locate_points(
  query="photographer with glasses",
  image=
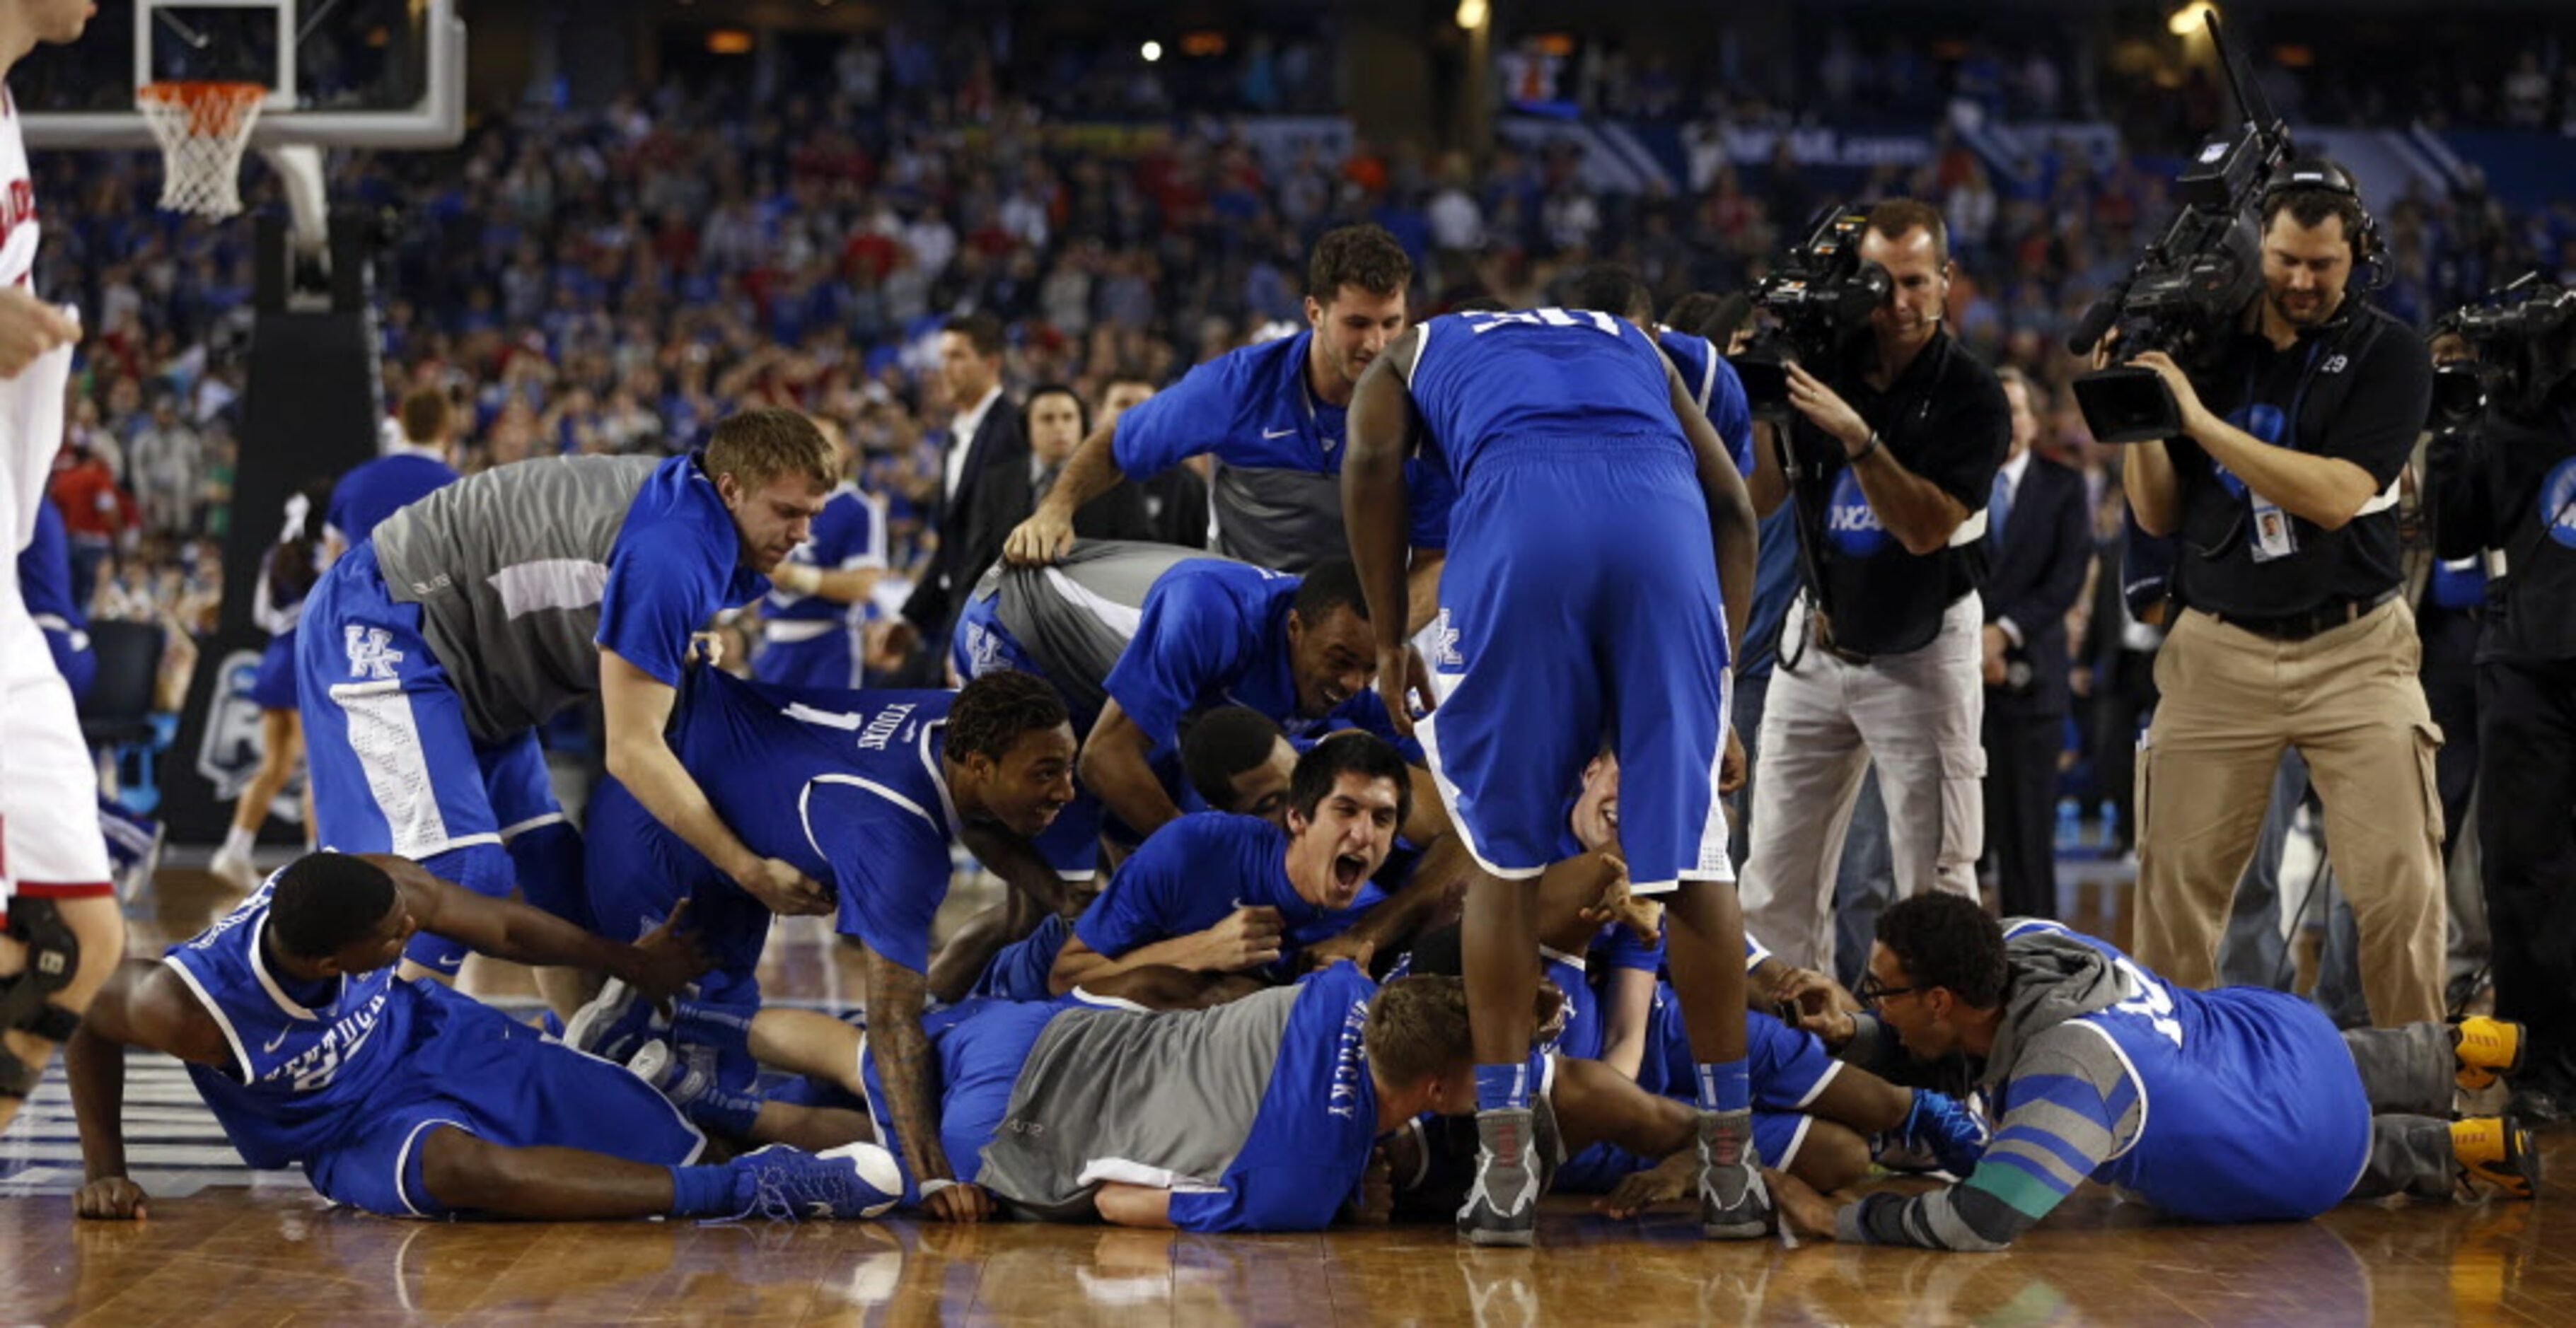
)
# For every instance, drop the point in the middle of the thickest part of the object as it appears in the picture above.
(2282, 488)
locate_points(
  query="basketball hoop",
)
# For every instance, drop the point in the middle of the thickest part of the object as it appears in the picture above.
(202, 128)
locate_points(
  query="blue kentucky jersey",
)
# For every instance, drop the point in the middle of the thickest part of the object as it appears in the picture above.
(374, 490)
(300, 1072)
(1214, 632)
(846, 785)
(1253, 408)
(850, 534)
(1192, 873)
(45, 584)
(1538, 373)
(2239, 1104)
(1712, 386)
(1579, 1033)
(1310, 1141)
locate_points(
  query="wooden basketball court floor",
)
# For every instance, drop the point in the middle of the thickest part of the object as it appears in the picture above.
(226, 1246)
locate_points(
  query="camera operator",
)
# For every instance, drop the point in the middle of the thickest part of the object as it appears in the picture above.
(1895, 449)
(2509, 486)
(2282, 488)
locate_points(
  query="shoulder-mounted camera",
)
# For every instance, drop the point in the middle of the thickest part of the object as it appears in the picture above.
(1819, 299)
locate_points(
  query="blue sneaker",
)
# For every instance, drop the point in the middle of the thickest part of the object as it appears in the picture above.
(1947, 1128)
(787, 1184)
(615, 1023)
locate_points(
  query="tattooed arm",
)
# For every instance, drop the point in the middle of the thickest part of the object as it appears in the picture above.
(895, 997)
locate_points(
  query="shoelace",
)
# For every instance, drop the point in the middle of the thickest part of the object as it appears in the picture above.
(786, 1194)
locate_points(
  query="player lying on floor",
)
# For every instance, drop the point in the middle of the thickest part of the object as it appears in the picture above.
(409, 1099)
(1215, 906)
(1263, 1114)
(866, 791)
(2236, 1105)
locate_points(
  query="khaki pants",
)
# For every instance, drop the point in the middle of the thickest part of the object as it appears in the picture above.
(1919, 717)
(2349, 700)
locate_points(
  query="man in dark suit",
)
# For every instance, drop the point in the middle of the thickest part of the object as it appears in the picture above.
(984, 433)
(1054, 421)
(2039, 543)
(1176, 499)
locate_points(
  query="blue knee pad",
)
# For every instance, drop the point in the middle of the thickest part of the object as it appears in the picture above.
(547, 861)
(484, 869)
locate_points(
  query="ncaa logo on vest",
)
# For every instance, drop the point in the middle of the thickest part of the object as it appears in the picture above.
(1851, 524)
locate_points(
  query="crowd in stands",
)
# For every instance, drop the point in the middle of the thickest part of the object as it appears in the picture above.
(615, 280)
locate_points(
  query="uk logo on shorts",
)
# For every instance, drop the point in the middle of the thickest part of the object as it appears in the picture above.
(1444, 644)
(371, 653)
(1851, 523)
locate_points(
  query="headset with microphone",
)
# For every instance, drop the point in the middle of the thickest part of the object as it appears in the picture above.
(2319, 175)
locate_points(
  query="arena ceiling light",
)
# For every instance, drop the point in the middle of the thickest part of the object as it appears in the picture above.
(1473, 14)
(2191, 19)
(1152, 51)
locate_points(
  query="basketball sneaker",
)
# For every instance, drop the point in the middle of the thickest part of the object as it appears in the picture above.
(1502, 1207)
(787, 1184)
(1948, 1129)
(681, 1075)
(2486, 1047)
(2496, 1152)
(615, 1023)
(1734, 1202)
(235, 870)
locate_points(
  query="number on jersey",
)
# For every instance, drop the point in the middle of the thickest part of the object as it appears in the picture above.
(1486, 321)
(2148, 999)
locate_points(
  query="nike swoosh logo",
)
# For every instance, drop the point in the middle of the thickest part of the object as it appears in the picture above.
(1268, 434)
(276, 1042)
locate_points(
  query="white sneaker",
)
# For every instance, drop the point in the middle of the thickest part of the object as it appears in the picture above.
(235, 870)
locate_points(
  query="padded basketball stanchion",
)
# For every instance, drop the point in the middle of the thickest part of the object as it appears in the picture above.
(299, 173)
(202, 128)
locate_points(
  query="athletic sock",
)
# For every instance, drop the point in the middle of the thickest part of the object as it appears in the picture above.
(724, 1027)
(702, 1191)
(731, 1114)
(1725, 1086)
(1502, 1087)
(238, 842)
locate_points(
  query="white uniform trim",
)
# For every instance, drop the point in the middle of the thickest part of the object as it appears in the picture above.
(402, 1160)
(1121, 1171)
(552, 583)
(384, 735)
(805, 801)
(510, 832)
(268, 983)
(1426, 731)
(1833, 1069)
(241, 1054)
(1118, 617)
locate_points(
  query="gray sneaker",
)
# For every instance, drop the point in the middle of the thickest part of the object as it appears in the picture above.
(1734, 1203)
(1502, 1208)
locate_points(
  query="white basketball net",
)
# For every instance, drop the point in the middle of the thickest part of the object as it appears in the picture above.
(202, 129)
